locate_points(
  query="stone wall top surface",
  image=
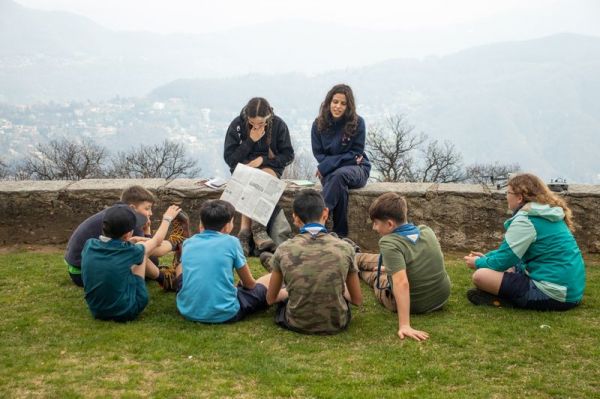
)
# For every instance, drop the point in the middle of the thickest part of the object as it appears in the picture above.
(115, 184)
(584, 189)
(196, 185)
(33, 185)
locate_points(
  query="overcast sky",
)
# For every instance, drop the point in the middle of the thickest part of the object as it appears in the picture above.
(200, 16)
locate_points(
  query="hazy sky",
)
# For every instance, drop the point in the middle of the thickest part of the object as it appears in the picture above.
(205, 16)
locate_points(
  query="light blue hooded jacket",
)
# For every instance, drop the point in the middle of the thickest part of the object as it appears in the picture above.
(538, 240)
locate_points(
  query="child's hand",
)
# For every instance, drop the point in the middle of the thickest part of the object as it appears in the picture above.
(147, 228)
(256, 162)
(473, 253)
(408, 331)
(172, 212)
(257, 133)
(470, 261)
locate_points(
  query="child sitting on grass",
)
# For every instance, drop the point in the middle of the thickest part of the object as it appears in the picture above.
(413, 279)
(141, 201)
(113, 268)
(538, 264)
(207, 292)
(316, 268)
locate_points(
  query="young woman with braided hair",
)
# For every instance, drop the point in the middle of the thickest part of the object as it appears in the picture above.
(538, 265)
(260, 139)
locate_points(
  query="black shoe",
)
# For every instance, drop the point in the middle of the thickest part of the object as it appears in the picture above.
(265, 260)
(479, 297)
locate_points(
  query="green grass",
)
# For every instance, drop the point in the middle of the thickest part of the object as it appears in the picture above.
(51, 347)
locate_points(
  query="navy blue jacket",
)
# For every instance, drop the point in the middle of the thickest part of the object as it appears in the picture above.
(333, 149)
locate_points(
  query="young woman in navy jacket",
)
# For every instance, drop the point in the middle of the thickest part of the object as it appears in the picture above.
(338, 143)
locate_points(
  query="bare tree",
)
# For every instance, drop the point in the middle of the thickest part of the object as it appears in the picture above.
(166, 160)
(64, 159)
(489, 172)
(442, 163)
(303, 167)
(390, 150)
(4, 170)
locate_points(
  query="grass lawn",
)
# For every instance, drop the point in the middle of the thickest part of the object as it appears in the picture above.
(51, 347)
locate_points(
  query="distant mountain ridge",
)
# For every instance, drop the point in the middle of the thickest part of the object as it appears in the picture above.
(59, 56)
(536, 102)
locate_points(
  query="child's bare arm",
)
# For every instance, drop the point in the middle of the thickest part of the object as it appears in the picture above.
(353, 285)
(274, 287)
(401, 290)
(246, 277)
(155, 241)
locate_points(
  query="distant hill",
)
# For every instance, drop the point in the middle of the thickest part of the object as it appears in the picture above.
(535, 102)
(58, 56)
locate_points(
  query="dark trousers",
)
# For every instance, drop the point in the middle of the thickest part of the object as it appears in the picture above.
(335, 193)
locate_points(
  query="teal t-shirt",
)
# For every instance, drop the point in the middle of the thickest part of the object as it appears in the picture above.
(112, 291)
(424, 263)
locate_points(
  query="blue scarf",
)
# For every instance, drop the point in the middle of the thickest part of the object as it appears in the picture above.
(408, 231)
(313, 228)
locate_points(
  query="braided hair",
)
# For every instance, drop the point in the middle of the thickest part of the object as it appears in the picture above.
(260, 107)
(325, 119)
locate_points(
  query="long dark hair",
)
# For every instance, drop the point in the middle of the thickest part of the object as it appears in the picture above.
(260, 107)
(325, 119)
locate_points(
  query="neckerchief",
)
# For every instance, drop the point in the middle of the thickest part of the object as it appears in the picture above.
(408, 231)
(313, 229)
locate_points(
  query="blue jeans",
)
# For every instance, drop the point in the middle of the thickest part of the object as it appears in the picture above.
(335, 193)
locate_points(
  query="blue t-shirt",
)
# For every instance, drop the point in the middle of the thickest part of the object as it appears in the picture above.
(208, 293)
(112, 291)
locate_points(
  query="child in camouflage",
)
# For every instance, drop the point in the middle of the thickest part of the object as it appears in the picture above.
(316, 268)
(413, 279)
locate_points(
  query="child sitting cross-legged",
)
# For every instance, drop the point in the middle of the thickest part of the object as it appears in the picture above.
(316, 268)
(141, 201)
(207, 292)
(409, 275)
(113, 268)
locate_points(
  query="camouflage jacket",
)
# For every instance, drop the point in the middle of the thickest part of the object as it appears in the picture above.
(314, 270)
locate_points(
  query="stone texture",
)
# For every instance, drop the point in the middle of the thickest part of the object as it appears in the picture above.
(28, 187)
(465, 217)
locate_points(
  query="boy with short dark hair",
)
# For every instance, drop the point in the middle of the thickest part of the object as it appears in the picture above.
(141, 201)
(205, 277)
(316, 268)
(113, 268)
(409, 275)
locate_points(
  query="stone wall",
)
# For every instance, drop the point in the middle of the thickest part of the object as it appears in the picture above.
(463, 216)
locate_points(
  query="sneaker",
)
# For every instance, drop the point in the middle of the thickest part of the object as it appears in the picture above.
(169, 278)
(265, 260)
(244, 236)
(478, 297)
(261, 238)
(180, 230)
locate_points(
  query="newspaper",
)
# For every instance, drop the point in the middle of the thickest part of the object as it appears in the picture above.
(253, 192)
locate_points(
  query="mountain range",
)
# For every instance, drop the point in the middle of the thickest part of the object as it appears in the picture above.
(535, 102)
